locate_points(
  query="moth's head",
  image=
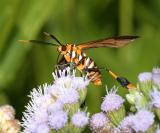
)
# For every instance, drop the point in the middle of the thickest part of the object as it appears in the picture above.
(62, 49)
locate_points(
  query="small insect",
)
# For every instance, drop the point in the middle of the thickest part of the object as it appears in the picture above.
(75, 54)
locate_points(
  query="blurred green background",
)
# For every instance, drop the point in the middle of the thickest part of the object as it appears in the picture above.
(23, 67)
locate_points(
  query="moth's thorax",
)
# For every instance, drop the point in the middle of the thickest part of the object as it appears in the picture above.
(65, 48)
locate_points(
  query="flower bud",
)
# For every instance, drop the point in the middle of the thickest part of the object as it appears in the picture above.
(145, 83)
(136, 98)
(143, 121)
(78, 122)
(156, 76)
(8, 123)
(114, 108)
(11, 126)
(80, 119)
(99, 123)
(7, 112)
(155, 99)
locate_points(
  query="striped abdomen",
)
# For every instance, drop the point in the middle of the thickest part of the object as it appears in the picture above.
(83, 63)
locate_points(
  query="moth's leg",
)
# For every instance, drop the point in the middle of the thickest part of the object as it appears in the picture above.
(65, 65)
(72, 66)
(83, 74)
(124, 82)
(84, 71)
(62, 66)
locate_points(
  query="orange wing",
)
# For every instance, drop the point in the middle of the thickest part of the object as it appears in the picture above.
(115, 42)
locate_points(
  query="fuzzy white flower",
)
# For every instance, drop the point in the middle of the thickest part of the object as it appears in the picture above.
(142, 120)
(66, 86)
(68, 96)
(145, 76)
(56, 106)
(57, 120)
(40, 98)
(42, 128)
(32, 121)
(80, 119)
(126, 124)
(112, 101)
(98, 121)
(65, 79)
(36, 110)
(155, 98)
(80, 82)
(156, 75)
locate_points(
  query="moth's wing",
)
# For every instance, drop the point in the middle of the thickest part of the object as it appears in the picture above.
(114, 42)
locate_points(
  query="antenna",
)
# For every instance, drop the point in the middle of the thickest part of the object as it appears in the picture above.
(38, 42)
(53, 37)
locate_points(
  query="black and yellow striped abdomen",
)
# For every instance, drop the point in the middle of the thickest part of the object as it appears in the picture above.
(83, 63)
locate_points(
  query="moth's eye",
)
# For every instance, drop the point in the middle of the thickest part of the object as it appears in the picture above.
(63, 48)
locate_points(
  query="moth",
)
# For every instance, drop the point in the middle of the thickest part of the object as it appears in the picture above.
(72, 53)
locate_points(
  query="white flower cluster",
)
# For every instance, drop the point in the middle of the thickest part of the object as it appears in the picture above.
(114, 120)
(53, 106)
(140, 122)
(56, 107)
(145, 107)
(112, 114)
(149, 87)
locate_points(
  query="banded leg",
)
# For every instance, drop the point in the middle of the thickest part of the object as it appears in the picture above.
(122, 80)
